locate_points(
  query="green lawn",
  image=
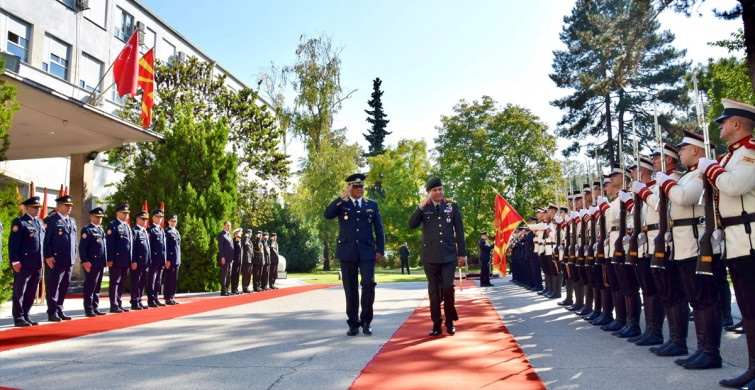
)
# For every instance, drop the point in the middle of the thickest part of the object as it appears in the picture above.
(381, 276)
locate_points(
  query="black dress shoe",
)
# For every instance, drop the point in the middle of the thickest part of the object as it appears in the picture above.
(353, 331)
(650, 339)
(436, 331)
(99, 313)
(367, 329)
(246, 291)
(152, 304)
(681, 362)
(124, 309)
(739, 381)
(733, 328)
(704, 362)
(603, 321)
(450, 328)
(169, 302)
(90, 314)
(224, 294)
(565, 303)
(63, 316)
(660, 347)
(592, 316)
(257, 290)
(174, 302)
(53, 318)
(34, 323)
(672, 350)
(116, 310)
(21, 324)
(158, 303)
(583, 311)
(613, 326)
(136, 307)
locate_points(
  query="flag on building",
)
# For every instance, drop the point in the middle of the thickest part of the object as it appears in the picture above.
(147, 82)
(506, 221)
(125, 67)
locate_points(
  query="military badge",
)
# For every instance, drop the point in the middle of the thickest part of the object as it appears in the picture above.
(109, 232)
(83, 236)
(346, 217)
(60, 232)
(449, 209)
(14, 228)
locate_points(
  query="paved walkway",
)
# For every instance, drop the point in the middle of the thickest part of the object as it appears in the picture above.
(299, 342)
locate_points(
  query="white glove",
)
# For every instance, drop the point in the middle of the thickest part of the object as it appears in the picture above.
(567, 217)
(582, 213)
(625, 243)
(642, 238)
(561, 248)
(669, 237)
(558, 219)
(593, 209)
(624, 196)
(602, 199)
(661, 178)
(717, 237)
(595, 246)
(607, 242)
(637, 186)
(704, 163)
(574, 215)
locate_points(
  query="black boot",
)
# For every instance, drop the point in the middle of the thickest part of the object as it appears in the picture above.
(568, 301)
(671, 331)
(749, 375)
(633, 317)
(556, 286)
(700, 335)
(711, 355)
(606, 316)
(653, 309)
(579, 297)
(679, 316)
(648, 317)
(588, 301)
(621, 313)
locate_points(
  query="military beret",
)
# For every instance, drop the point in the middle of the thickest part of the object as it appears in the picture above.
(432, 183)
(32, 202)
(173, 217)
(65, 199)
(158, 212)
(97, 212)
(141, 214)
(122, 208)
(735, 108)
(356, 179)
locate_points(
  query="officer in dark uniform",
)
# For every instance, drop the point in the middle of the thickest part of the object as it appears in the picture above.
(60, 253)
(25, 255)
(485, 248)
(93, 254)
(237, 257)
(442, 247)
(258, 260)
(141, 259)
(264, 278)
(358, 249)
(273, 261)
(119, 240)
(172, 260)
(157, 254)
(225, 257)
(403, 254)
(247, 253)
(530, 259)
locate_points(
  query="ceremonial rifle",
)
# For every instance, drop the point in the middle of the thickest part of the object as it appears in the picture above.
(573, 246)
(581, 248)
(705, 259)
(661, 252)
(618, 246)
(557, 251)
(590, 246)
(634, 246)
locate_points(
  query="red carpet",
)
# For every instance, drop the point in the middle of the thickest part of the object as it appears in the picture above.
(33, 335)
(482, 354)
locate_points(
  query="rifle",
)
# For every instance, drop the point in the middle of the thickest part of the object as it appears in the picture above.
(661, 252)
(618, 255)
(573, 246)
(634, 246)
(557, 251)
(705, 259)
(590, 250)
(580, 251)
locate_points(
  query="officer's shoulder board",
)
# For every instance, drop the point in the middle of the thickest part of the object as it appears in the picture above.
(450, 201)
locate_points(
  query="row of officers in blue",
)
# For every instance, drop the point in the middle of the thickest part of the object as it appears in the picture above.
(147, 251)
(687, 229)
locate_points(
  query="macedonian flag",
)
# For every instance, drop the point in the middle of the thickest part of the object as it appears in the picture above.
(147, 82)
(506, 221)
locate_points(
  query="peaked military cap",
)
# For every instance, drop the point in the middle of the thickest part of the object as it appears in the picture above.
(122, 208)
(97, 212)
(646, 163)
(173, 217)
(259, 232)
(616, 170)
(65, 199)
(552, 206)
(735, 108)
(158, 212)
(356, 179)
(694, 138)
(667, 150)
(533, 219)
(265, 234)
(273, 235)
(432, 183)
(248, 231)
(32, 202)
(483, 232)
(563, 209)
(141, 214)
(586, 188)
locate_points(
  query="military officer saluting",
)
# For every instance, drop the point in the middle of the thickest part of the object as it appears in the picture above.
(25, 255)
(157, 253)
(93, 256)
(443, 246)
(733, 176)
(60, 254)
(172, 260)
(361, 243)
(119, 239)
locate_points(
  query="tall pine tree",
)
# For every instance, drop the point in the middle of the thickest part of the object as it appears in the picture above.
(376, 134)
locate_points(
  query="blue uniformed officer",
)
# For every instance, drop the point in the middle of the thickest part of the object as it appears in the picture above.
(157, 254)
(361, 243)
(258, 260)
(59, 249)
(119, 239)
(141, 258)
(25, 255)
(93, 254)
(443, 245)
(485, 249)
(172, 260)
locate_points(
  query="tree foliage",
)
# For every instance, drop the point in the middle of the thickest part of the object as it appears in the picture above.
(201, 189)
(8, 211)
(483, 148)
(376, 134)
(403, 172)
(297, 241)
(8, 106)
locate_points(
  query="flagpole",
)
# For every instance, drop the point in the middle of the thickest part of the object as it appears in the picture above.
(92, 98)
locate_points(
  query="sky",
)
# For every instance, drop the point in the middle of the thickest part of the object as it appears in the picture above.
(429, 54)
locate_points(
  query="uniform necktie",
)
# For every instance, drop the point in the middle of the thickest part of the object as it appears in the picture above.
(437, 208)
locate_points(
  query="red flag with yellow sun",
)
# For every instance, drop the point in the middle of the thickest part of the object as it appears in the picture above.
(506, 221)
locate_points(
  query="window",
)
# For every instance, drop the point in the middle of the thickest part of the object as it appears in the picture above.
(126, 28)
(18, 38)
(166, 52)
(58, 54)
(68, 3)
(90, 73)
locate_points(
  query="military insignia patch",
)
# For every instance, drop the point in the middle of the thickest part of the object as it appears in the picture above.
(83, 235)
(109, 232)
(748, 159)
(60, 232)
(15, 228)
